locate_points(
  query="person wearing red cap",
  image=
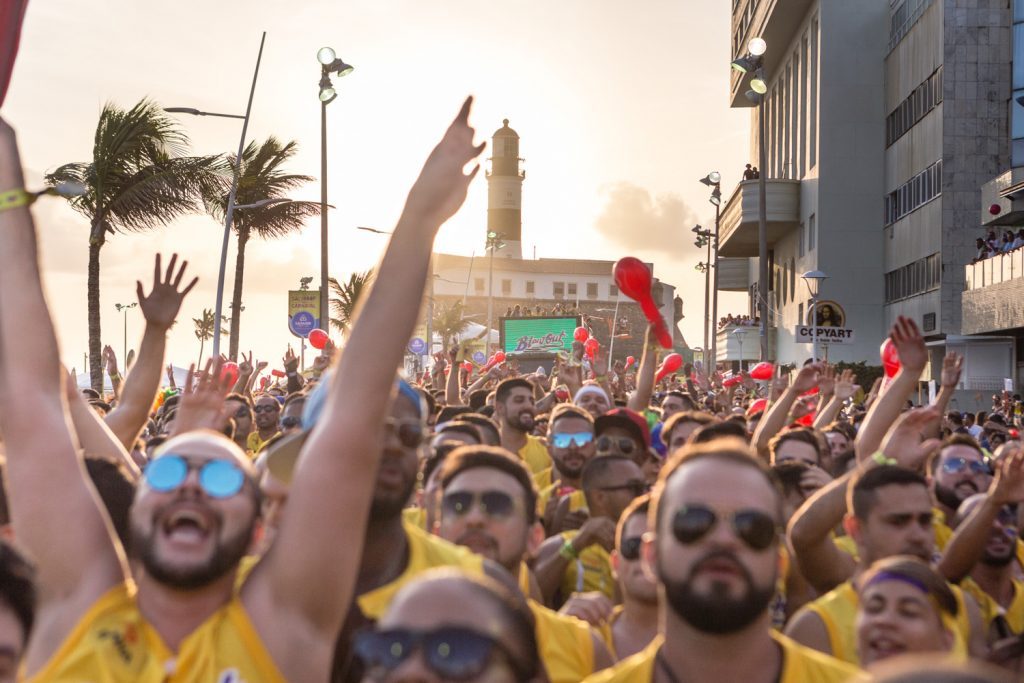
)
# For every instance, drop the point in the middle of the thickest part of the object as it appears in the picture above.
(623, 432)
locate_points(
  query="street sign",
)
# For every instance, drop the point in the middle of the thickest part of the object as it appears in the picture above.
(303, 311)
(417, 346)
(826, 335)
(479, 358)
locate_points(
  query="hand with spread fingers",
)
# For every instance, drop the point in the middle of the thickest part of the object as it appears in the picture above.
(161, 306)
(201, 405)
(903, 441)
(1008, 484)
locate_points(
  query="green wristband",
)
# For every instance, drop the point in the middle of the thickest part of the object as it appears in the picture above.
(568, 551)
(882, 459)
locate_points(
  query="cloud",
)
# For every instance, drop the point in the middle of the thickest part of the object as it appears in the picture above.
(634, 219)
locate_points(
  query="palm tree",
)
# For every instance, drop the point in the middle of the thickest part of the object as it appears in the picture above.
(260, 178)
(343, 308)
(204, 330)
(138, 179)
(449, 321)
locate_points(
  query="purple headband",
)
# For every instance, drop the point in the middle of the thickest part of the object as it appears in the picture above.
(878, 577)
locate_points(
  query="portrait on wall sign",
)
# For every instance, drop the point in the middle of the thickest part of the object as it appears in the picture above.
(827, 314)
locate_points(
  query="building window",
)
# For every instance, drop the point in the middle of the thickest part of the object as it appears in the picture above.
(812, 232)
(478, 284)
(913, 194)
(792, 280)
(506, 287)
(529, 287)
(914, 278)
(813, 135)
(572, 289)
(800, 238)
(559, 290)
(613, 291)
(922, 100)
(591, 290)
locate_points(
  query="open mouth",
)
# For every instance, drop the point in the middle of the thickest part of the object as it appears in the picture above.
(187, 526)
(884, 647)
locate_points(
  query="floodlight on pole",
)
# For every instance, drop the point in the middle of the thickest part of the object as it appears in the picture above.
(758, 83)
(814, 278)
(757, 46)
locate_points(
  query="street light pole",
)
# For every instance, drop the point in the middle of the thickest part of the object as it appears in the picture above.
(714, 304)
(814, 278)
(762, 231)
(123, 308)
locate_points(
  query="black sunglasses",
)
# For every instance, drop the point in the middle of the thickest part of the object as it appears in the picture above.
(290, 422)
(629, 548)
(453, 653)
(492, 503)
(409, 430)
(267, 408)
(626, 445)
(755, 528)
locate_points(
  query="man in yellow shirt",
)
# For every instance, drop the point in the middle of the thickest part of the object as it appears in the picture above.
(571, 444)
(488, 505)
(197, 505)
(717, 516)
(514, 411)
(266, 413)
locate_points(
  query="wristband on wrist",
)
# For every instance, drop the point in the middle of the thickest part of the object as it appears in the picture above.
(568, 551)
(882, 459)
(12, 199)
(115, 376)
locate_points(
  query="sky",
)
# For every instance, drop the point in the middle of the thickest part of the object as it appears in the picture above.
(621, 109)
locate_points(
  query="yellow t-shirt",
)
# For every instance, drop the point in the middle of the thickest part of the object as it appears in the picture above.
(113, 643)
(591, 571)
(565, 645)
(255, 443)
(799, 665)
(990, 609)
(838, 612)
(416, 517)
(425, 552)
(535, 455)
(577, 501)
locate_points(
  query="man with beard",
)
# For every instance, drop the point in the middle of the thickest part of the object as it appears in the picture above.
(957, 472)
(714, 548)
(593, 399)
(239, 407)
(267, 412)
(571, 444)
(514, 411)
(487, 505)
(197, 506)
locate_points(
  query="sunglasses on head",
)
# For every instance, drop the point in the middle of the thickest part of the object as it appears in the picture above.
(625, 444)
(629, 548)
(452, 653)
(958, 465)
(564, 440)
(491, 503)
(409, 430)
(218, 478)
(755, 528)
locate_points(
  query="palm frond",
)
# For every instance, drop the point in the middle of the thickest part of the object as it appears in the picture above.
(343, 307)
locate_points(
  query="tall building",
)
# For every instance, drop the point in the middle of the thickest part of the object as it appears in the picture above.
(883, 120)
(505, 193)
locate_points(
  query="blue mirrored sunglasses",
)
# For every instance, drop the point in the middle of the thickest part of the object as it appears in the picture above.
(564, 440)
(218, 478)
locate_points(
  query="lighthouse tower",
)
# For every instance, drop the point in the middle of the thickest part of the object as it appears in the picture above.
(505, 192)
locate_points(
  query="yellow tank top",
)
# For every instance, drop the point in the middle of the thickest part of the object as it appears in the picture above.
(425, 552)
(799, 665)
(535, 455)
(838, 611)
(605, 631)
(577, 500)
(565, 645)
(591, 571)
(114, 644)
(942, 535)
(416, 517)
(990, 609)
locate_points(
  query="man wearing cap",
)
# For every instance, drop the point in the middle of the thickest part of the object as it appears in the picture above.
(593, 399)
(623, 432)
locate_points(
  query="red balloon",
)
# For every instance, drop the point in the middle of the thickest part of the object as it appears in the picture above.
(762, 371)
(264, 381)
(318, 338)
(581, 335)
(630, 360)
(670, 364)
(467, 366)
(229, 372)
(634, 280)
(810, 392)
(807, 420)
(732, 381)
(757, 406)
(890, 358)
(499, 357)
(591, 346)
(278, 373)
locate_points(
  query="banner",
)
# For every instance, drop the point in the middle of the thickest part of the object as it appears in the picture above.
(826, 335)
(303, 311)
(538, 335)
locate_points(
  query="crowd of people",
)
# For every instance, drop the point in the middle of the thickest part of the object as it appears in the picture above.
(563, 525)
(731, 320)
(991, 245)
(538, 311)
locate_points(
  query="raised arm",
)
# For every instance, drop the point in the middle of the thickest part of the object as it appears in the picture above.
(160, 308)
(640, 399)
(93, 434)
(308, 576)
(883, 413)
(57, 516)
(952, 365)
(844, 389)
(778, 412)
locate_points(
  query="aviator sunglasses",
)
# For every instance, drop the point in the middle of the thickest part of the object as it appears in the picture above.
(755, 528)
(218, 478)
(566, 439)
(492, 503)
(452, 653)
(958, 465)
(626, 445)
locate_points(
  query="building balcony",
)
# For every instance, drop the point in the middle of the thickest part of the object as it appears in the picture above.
(992, 294)
(733, 274)
(739, 220)
(742, 343)
(777, 23)
(1002, 199)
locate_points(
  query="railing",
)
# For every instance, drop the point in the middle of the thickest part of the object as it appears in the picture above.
(993, 270)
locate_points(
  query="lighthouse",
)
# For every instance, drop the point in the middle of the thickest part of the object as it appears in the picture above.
(505, 193)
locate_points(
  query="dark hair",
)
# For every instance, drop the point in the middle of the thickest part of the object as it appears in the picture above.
(919, 574)
(863, 493)
(17, 585)
(171, 403)
(801, 434)
(567, 410)
(496, 458)
(955, 417)
(478, 399)
(730, 451)
(95, 403)
(247, 400)
(295, 397)
(501, 394)
(640, 506)
(844, 428)
(436, 458)
(720, 430)
(449, 413)
(461, 427)
(697, 416)
(683, 396)
(117, 491)
(486, 411)
(953, 440)
(91, 394)
(488, 428)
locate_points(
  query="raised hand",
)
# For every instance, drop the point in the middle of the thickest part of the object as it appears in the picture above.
(290, 360)
(846, 385)
(1008, 484)
(910, 346)
(161, 307)
(110, 360)
(201, 405)
(903, 441)
(952, 365)
(442, 184)
(807, 378)
(827, 380)
(778, 387)
(321, 363)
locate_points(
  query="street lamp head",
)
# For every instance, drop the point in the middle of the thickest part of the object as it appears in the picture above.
(814, 278)
(325, 55)
(758, 83)
(712, 179)
(341, 68)
(183, 110)
(754, 97)
(757, 46)
(696, 229)
(743, 64)
(716, 197)
(327, 95)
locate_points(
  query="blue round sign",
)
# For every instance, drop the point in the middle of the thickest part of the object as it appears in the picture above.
(302, 323)
(417, 346)
(479, 357)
